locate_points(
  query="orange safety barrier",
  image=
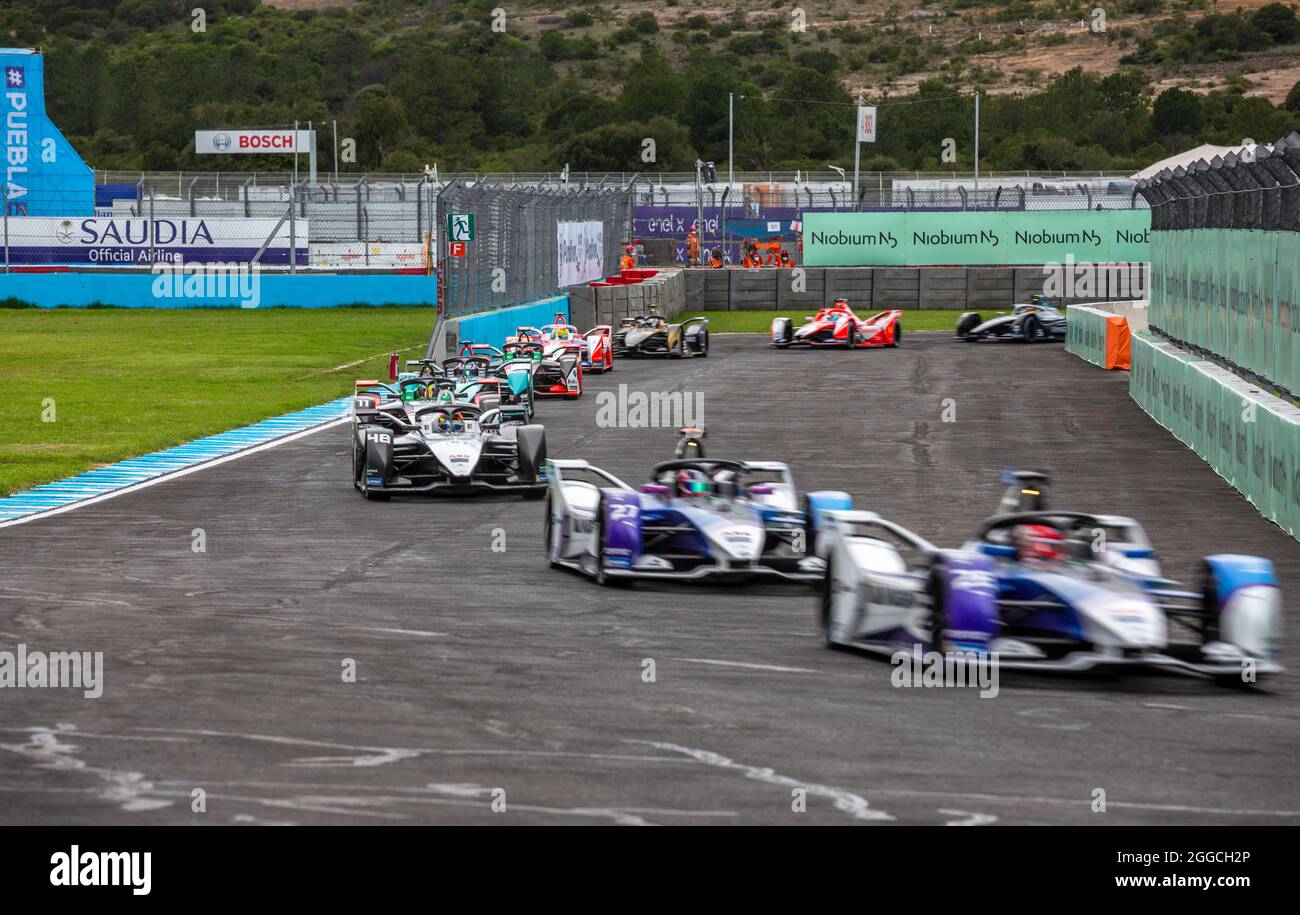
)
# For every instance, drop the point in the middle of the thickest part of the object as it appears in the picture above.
(1118, 341)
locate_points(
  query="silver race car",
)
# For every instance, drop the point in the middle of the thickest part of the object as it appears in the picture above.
(697, 518)
(1032, 322)
(1046, 589)
(445, 448)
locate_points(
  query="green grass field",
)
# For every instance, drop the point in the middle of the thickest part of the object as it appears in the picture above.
(760, 322)
(125, 382)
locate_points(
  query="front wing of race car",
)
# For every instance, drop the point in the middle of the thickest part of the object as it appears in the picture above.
(559, 377)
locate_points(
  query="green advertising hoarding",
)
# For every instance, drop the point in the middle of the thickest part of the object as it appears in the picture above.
(970, 238)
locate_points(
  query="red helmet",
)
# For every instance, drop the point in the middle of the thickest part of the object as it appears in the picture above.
(1038, 541)
(630, 249)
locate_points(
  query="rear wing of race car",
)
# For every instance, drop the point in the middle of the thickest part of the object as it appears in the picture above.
(1026, 492)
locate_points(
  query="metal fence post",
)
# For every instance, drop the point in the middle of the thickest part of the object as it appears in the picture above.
(293, 227)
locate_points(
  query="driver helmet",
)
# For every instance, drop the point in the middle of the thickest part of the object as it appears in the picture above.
(630, 249)
(1038, 541)
(692, 483)
(841, 303)
(458, 423)
(561, 333)
(442, 423)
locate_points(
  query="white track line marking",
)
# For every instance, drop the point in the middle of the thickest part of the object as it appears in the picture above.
(845, 801)
(966, 818)
(348, 365)
(154, 481)
(747, 666)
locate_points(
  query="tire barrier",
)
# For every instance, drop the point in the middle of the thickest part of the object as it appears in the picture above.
(1097, 336)
(1225, 250)
(1249, 437)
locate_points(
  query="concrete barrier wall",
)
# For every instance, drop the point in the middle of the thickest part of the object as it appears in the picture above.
(493, 327)
(1135, 311)
(877, 288)
(261, 290)
(1249, 437)
(592, 305)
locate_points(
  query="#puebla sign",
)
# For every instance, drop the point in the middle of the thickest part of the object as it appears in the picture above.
(127, 242)
(43, 175)
(976, 237)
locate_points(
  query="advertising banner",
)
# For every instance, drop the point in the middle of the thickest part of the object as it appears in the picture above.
(252, 142)
(360, 254)
(132, 241)
(43, 175)
(976, 238)
(581, 251)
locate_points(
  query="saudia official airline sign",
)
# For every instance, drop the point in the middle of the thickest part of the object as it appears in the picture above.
(43, 174)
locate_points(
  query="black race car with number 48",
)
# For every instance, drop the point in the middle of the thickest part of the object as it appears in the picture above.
(445, 448)
(1032, 322)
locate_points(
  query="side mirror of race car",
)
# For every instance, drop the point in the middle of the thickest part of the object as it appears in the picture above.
(654, 489)
(760, 489)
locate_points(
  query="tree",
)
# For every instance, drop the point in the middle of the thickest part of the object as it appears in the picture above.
(1278, 21)
(380, 127)
(1177, 111)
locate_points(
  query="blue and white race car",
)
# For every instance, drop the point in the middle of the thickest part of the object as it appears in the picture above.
(697, 518)
(1042, 588)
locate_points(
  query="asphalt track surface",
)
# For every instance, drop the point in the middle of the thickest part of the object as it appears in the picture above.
(481, 670)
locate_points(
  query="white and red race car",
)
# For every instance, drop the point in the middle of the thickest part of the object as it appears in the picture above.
(839, 326)
(594, 348)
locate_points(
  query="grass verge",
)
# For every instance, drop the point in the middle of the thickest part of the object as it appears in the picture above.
(118, 383)
(760, 322)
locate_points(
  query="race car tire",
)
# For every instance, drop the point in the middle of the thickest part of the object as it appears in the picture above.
(602, 579)
(824, 606)
(531, 444)
(549, 534)
(938, 616)
(1030, 329)
(1209, 605)
(704, 343)
(898, 334)
(781, 333)
(853, 335)
(377, 454)
(967, 323)
(682, 351)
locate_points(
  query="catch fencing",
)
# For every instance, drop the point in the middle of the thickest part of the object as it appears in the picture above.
(528, 242)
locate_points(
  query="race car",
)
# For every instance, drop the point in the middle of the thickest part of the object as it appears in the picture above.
(698, 518)
(1032, 322)
(559, 337)
(1045, 589)
(445, 448)
(839, 326)
(650, 334)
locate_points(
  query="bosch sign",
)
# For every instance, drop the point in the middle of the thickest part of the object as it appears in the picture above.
(237, 142)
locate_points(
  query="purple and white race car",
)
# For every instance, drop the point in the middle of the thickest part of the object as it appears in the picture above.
(1045, 589)
(697, 518)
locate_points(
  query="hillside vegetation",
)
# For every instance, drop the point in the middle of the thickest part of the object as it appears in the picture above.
(544, 83)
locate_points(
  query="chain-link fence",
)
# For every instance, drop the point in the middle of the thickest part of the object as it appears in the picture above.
(527, 242)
